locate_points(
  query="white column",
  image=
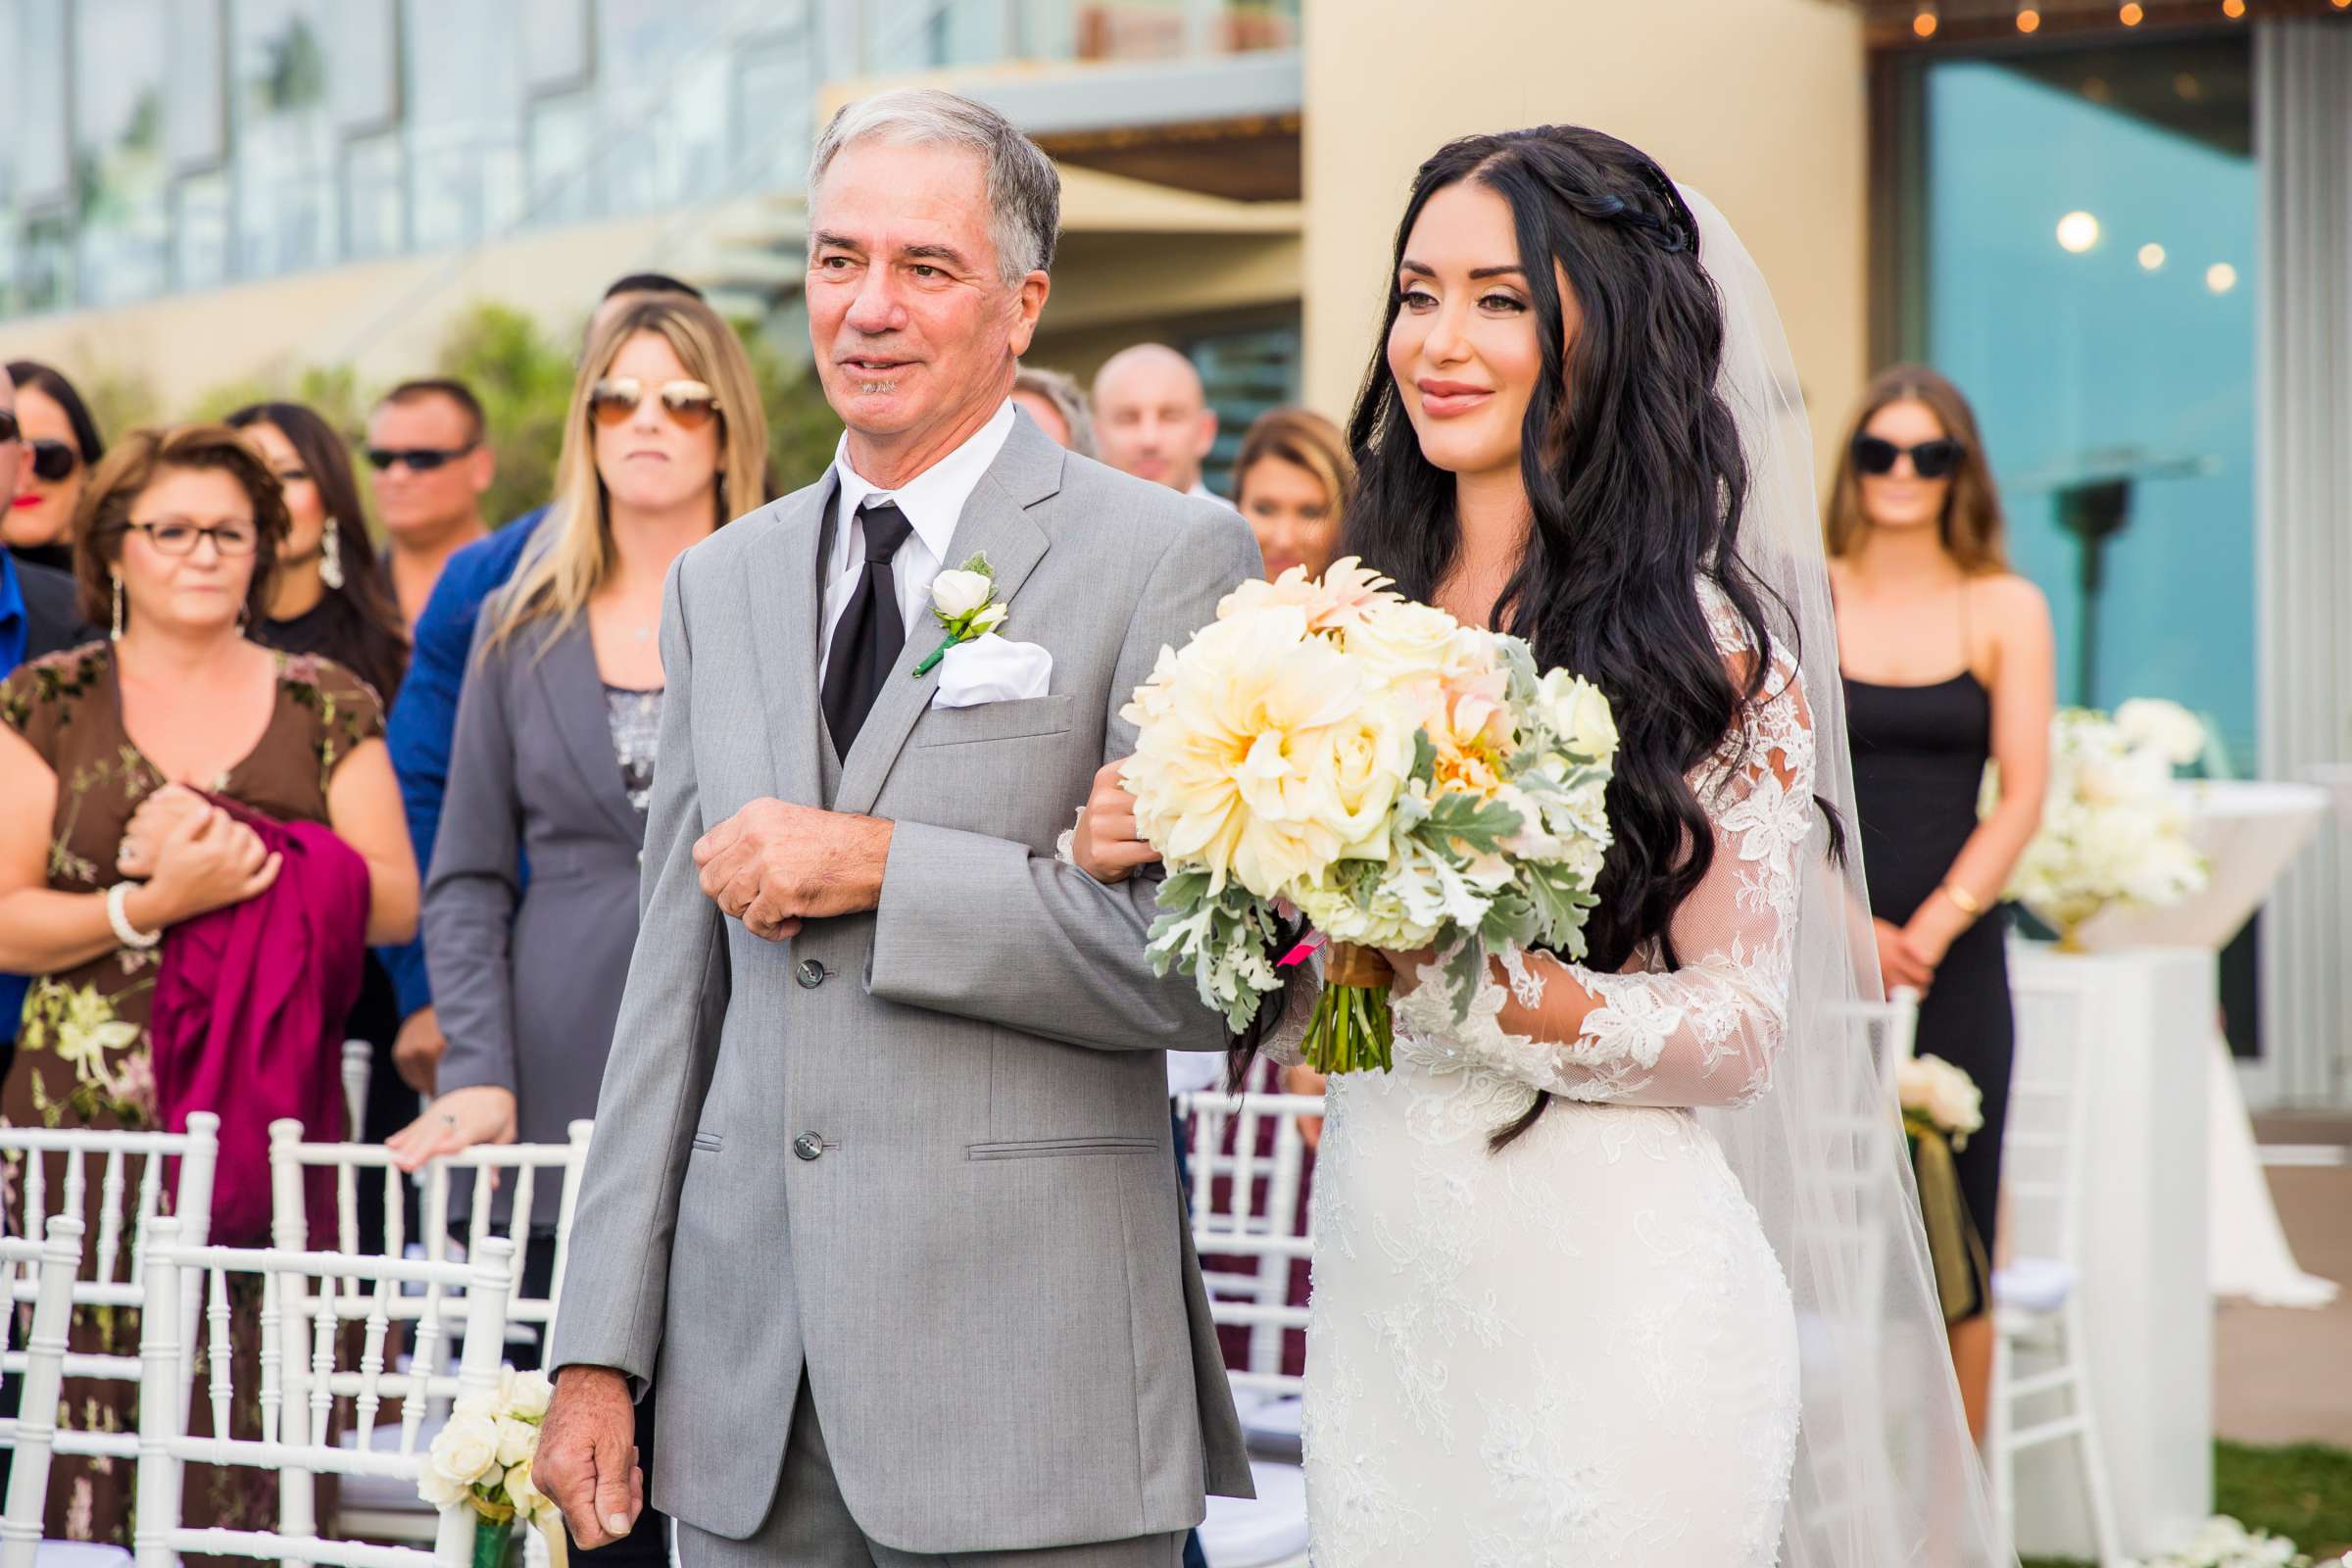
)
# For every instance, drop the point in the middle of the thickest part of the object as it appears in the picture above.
(2303, 488)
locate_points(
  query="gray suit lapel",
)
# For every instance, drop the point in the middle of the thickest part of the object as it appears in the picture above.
(564, 668)
(785, 616)
(1025, 472)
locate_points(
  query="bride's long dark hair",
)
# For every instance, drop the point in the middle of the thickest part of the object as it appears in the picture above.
(1637, 481)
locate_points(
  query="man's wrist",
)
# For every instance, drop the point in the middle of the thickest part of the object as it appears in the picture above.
(868, 862)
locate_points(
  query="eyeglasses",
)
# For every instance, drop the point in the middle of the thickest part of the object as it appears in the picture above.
(690, 404)
(53, 460)
(1930, 460)
(177, 536)
(420, 459)
(8, 427)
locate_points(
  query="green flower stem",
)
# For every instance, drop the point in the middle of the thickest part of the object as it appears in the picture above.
(1350, 1030)
(931, 661)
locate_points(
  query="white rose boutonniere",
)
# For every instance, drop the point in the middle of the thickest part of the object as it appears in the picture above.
(964, 601)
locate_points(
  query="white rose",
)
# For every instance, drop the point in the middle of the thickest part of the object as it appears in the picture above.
(1574, 710)
(439, 1491)
(517, 1440)
(527, 1394)
(990, 618)
(1402, 643)
(2156, 724)
(959, 592)
(467, 1448)
(528, 1501)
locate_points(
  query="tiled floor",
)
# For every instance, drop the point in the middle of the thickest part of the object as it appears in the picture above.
(2285, 1376)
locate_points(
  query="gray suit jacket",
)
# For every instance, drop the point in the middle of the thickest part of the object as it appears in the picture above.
(921, 1154)
(528, 981)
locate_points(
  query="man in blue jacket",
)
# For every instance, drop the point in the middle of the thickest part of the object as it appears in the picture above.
(425, 714)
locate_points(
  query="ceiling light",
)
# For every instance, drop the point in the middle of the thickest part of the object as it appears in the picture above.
(2131, 14)
(2151, 257)
(2028, 19)
(2221, 277)
(2077, 231)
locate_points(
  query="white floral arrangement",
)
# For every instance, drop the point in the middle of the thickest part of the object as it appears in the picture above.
(484, 1455)
(2223, 1543)
(1400, 779)
(1939, 1097)
(2114, 828)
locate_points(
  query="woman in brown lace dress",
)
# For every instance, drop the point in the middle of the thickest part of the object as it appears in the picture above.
(174, 544)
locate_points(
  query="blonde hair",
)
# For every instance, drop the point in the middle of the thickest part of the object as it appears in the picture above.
(1973, 530)
(558, 582)
(1303, 439)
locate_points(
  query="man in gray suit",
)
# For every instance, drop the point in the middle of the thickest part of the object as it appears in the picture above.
(881, 1202)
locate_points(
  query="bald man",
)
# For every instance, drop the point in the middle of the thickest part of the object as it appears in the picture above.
(1152, 418)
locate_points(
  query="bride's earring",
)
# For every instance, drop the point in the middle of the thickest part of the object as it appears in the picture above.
(117, 635)
(330, 557)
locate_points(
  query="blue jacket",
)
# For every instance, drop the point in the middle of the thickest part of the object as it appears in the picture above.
(425, 713)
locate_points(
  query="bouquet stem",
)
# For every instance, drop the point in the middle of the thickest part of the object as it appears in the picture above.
(1351, 1030)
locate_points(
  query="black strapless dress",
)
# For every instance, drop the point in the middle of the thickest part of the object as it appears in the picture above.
(1919, 763)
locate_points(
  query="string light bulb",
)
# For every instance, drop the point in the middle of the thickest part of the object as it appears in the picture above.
(2028, 19)
(2130, 15)
(2234, 9)
(1924, 23)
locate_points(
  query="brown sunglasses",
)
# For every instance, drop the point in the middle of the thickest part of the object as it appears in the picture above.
(690, 404)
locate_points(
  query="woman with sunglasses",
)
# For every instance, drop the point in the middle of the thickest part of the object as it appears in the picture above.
(1948, 664)
(554, 752)
(62, 445)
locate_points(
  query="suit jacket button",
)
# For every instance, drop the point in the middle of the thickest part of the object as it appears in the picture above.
(811, 975)
(807, 1145)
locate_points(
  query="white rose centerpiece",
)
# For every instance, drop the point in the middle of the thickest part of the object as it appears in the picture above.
(2114, 828)
(1400, 779)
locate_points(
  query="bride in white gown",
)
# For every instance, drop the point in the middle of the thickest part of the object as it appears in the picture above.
(1626, 1270)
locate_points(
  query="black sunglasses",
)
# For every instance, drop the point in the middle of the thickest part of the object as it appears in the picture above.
(421, 459)
(8, 427)
(1930, 460)
(53, 460)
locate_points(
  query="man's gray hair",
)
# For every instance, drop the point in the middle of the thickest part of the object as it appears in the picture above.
(1068, 398)
(1024, 190)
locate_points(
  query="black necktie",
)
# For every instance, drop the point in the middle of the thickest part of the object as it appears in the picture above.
(867, 642)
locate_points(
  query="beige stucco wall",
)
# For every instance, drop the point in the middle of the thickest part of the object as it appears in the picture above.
(1759, 103)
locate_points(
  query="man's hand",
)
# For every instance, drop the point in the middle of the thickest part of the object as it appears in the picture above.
(588, 1456)
(773, 866)
(416, 1049)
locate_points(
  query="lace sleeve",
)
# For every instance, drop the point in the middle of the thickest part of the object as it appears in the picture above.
(1706, 1033)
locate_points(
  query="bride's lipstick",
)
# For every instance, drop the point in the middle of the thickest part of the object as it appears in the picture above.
(1443, 400)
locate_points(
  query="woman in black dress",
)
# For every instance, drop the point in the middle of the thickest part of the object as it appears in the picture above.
(1948, 664)
(332, 598)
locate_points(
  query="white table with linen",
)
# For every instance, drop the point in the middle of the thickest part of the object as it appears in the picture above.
(2249, 833)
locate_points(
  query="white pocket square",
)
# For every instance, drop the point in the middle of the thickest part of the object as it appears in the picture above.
(991, 670)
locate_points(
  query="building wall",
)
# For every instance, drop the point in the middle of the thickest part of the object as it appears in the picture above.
(1759, 103)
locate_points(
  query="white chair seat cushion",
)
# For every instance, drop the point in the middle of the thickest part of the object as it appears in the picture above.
(80, 1554)
(1271, 1426)
(386, 1494)
(1271, 1528)
(2033, 1285)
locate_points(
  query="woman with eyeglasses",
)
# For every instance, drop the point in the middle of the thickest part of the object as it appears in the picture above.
(148, 776)
(62, 445)
(1948, 664)
(554, 752)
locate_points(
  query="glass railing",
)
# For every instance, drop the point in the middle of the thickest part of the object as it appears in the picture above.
(203, 144)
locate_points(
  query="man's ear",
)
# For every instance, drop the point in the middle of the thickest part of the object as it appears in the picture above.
(1208, 437)
(482, 467)
(1031, 303)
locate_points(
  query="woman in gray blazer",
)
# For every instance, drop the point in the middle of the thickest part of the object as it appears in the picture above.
(553, 751)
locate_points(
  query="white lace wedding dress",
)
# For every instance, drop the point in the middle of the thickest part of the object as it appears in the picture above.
(1581, 1350)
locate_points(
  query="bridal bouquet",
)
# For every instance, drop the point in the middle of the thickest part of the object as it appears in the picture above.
(483, 1457)
(1943, 1109)
(1940, 1098)
(1400, 779)
(2114, 830)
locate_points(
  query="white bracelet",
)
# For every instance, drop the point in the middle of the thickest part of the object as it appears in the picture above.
(118, 916)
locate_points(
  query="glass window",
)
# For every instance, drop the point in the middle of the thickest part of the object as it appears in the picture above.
(465, 121)
(122, 237)
(2091, 276)
(199, 233)
(375, 219)
(556, 48)
(1245, 374)
(40, 167)
(564, 171)
(195, 116)
(283, 61)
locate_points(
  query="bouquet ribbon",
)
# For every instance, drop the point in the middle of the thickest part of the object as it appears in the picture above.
(1954, 1248)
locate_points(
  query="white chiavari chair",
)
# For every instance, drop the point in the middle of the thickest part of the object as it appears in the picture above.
(2041, 1376)
(284, 1444)
(359, 1067)
(367, 1505)
(1247, 1158)
(47, 1268)
(56, 1164)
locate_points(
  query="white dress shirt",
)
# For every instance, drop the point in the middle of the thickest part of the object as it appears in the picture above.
(1200, 488)
(933, 502)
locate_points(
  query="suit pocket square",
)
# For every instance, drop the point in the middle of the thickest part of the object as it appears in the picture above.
(991, 670)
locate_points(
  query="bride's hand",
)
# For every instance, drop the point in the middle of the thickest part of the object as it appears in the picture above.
(455, 1123)
(1104, 843)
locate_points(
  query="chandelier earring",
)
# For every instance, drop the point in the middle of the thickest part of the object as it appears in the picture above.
(330, 557)
(116, 634)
